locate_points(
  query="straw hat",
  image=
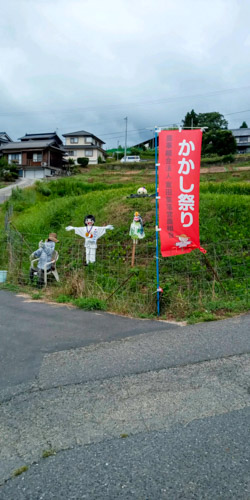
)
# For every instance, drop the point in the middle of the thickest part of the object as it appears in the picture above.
(53, 237)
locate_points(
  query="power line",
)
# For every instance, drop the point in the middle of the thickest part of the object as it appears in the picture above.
(122, 105)
(237, 112)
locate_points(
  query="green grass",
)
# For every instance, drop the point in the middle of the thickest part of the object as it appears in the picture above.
(87, 303)
(90, 304)
(190, 292)
(37, 296)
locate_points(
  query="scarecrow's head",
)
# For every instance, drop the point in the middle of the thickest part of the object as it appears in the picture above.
(137, 217)
(89, 220)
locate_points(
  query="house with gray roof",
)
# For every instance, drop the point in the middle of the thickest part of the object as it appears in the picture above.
(242, 137)
(4, 138)
(36, 155)
(49, 136)
(82, 144)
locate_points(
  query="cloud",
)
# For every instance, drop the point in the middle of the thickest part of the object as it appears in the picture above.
(87, 64)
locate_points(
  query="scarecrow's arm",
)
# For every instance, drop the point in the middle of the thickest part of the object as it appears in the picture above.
(101, 230)
(78, 230)
(37, 253)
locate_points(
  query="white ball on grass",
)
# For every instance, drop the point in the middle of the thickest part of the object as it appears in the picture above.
(142, 190)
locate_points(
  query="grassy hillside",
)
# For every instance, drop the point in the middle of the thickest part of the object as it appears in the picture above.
(190, 291)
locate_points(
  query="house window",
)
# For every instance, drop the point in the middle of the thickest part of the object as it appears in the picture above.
(243, 139)
(15, 158)
(37, 157)
(88, 140)
(71, 153)
(73, 140)
(89, 152)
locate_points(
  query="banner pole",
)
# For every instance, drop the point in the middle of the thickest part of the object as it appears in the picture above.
(156, 223)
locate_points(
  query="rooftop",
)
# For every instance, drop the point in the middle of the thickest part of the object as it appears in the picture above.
(82, 133)
(4, 137)
(241, 132)
(29, 145)
(42, 136)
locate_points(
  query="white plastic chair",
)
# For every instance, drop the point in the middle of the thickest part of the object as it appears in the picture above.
(47, 271)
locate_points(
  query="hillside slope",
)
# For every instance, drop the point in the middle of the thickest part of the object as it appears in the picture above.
(190, 290)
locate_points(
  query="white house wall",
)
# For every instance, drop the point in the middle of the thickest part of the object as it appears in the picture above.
(82, 142)
(81, 154)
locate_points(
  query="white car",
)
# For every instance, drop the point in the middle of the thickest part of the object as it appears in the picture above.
(130, 159)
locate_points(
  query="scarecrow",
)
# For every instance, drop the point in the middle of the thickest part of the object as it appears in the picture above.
(91, 234)
(136, 232)
(45, 255)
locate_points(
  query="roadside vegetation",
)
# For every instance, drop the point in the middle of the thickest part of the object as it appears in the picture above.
(191, 291)
(8, 172)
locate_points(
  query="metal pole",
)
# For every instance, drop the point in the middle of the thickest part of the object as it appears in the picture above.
(126, 130)
(117, 150)
(156, 223)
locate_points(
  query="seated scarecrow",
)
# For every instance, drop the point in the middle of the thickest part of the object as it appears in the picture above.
(91, 234)
(45, 255)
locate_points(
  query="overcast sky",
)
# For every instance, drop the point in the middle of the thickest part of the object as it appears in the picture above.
(86, 64)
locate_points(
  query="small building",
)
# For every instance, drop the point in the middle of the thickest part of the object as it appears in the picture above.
(148, 144)
(83, 144)
(37, 155)
(242, 137)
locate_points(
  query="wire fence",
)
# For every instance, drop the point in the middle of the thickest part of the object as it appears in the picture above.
(189, 282)
(3, 198)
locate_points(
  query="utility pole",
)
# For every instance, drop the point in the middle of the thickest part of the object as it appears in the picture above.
(126, 130)
(117, 150)
(192, 123)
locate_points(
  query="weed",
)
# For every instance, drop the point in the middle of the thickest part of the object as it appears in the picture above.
(36, 296)
(20, 471)
(90, 304)
(63, 299)
(48, 453)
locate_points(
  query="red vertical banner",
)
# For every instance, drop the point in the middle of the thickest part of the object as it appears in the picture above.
(179, 177)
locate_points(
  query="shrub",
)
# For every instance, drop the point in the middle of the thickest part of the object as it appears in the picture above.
(83, 161)
(228, 158)
(136, 151)
(8, 172)
(42, 188)
(217, 160)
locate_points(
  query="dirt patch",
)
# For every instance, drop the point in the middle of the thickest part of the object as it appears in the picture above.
(231, 168)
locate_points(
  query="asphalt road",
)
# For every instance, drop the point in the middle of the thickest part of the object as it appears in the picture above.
(208, 459)
(125, 408)
(29, 330)
(5, 193)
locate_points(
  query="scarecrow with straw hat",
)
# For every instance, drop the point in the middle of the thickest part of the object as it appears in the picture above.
(91, 234)
(45, 255)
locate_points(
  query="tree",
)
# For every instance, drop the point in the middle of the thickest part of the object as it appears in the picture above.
(83, 161)
(244, 125)
(214, 121)
(219, 142)
(190, 120)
